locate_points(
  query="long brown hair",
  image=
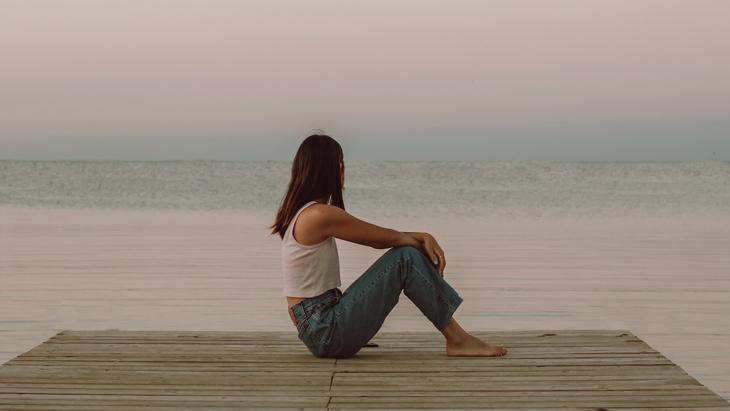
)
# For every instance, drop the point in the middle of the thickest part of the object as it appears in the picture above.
(315, 173)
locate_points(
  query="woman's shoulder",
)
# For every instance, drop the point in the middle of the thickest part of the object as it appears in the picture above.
(312, 220)
(320, 209)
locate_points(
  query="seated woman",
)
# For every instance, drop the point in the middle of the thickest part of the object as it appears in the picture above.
(336, 324)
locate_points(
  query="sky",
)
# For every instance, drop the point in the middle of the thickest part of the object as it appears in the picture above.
(583, 80)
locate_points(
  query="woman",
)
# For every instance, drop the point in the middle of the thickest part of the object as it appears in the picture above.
(336, 324)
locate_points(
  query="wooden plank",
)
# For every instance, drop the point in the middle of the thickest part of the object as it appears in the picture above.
(262, 401)
(430, 402)
(287, 349)
(272, 335)
(566, 408)
(41, 373)
(178, 407)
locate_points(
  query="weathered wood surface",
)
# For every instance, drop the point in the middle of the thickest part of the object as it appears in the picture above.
(200, 370)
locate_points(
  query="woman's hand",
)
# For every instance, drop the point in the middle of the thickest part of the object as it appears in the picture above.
(434, 252)
(430, 248)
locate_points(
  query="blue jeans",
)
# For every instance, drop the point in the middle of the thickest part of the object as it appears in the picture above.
(336, 325)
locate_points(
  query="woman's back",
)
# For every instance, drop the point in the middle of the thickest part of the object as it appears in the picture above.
(309, 270)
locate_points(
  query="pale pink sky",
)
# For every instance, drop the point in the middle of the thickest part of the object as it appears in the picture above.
(559, 79)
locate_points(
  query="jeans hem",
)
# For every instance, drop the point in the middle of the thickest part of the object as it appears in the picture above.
(452, 306)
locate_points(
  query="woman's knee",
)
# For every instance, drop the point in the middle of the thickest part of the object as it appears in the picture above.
(414, 255)
(401, 253)
(406, 250)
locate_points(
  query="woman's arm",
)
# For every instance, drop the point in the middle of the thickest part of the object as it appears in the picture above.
(335, 222)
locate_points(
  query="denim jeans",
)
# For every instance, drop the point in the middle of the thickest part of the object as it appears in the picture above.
(337, 325)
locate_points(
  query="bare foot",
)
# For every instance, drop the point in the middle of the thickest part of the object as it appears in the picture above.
(474, 347)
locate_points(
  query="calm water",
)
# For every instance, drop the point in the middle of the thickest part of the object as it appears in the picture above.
(503, 189)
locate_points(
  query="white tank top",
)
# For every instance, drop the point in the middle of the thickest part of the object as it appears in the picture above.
(309, 270)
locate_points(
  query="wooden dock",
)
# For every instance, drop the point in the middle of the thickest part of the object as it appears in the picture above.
(200, 370)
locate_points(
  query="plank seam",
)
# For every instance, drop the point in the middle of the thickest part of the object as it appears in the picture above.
(332, 378)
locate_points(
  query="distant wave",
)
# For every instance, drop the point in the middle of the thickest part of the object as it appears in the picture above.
(407, 188)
